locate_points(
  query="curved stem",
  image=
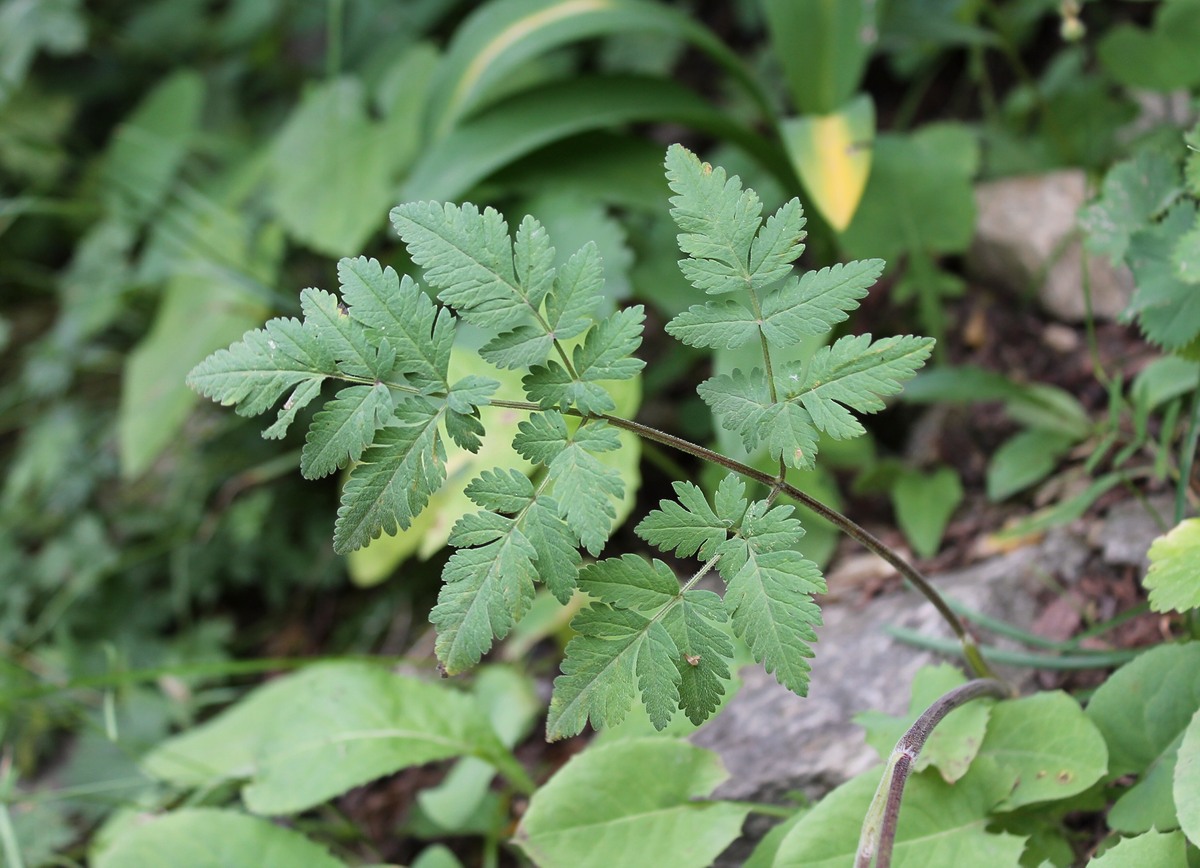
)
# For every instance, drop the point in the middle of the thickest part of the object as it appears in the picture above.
(879, 826)
(853, 530)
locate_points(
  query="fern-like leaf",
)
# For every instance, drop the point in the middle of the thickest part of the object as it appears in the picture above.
(725, 323)
(345, 427)
(818, 301)
(696, 626)
(397, 476)
(853, 373)
(467, 254)
(606, 354)
(395, 309)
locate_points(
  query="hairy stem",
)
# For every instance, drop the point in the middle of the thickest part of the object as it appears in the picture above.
(879, 827)
(853, 530)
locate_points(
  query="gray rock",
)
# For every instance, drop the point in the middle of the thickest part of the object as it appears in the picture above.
(1027, 241)
(1130, 527)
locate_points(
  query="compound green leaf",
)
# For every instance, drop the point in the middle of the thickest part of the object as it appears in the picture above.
(631, 802)
(606, 354)
(577, 291)
(720, 221)
(558, 557)
(818, 301)
(687, 526)
(485, 591)
(739, 401)
(585, 489)
(630, 582)
(600, 671)
(769, 599)
(855, 372)
(305, 738)
(467, 255)
(724, 323)
(255, 372)
(1174, 575)
(395, 309)
(342, 336)
(791, 434)
(210, 838)
(501, 490)
(696, 624)
(541, 437)
(463, 401)
(345, 427)
(404, 466)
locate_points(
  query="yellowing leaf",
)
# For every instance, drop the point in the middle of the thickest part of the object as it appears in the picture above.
(832, 155)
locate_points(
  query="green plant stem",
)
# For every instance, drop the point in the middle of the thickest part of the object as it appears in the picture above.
(856, 532)
(1188, 457)
(879, 827)
(1024, 659)
(9, 845)
(334, 17)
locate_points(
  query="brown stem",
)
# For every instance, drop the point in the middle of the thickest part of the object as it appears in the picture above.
(853, 530)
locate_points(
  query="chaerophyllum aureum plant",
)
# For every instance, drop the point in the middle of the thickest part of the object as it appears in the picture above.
(379, 353)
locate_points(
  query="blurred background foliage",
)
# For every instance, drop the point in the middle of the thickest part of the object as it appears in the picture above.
(173, 171)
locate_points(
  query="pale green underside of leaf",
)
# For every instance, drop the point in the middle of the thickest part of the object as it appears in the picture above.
(345, 427)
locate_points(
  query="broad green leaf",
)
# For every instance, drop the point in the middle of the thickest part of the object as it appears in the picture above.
(823, 47)
(1186, 788)
(150, 145)
(437, 856)
(1174, 575)
(1160, 849)
(940, 825)
(831, 152)
(1134, 192)
(196, 316)
(395, 479)
(633, 802)
(1044, 749)
(1025, 459)
(333, 169)
(498, 37)
(304, 738)
(818, 301)
(345, 427)
(517, 127)
(1143, 710)
(924, 504)
(210, 838)
(919, 196)
(1162, 58)
(955, 740)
